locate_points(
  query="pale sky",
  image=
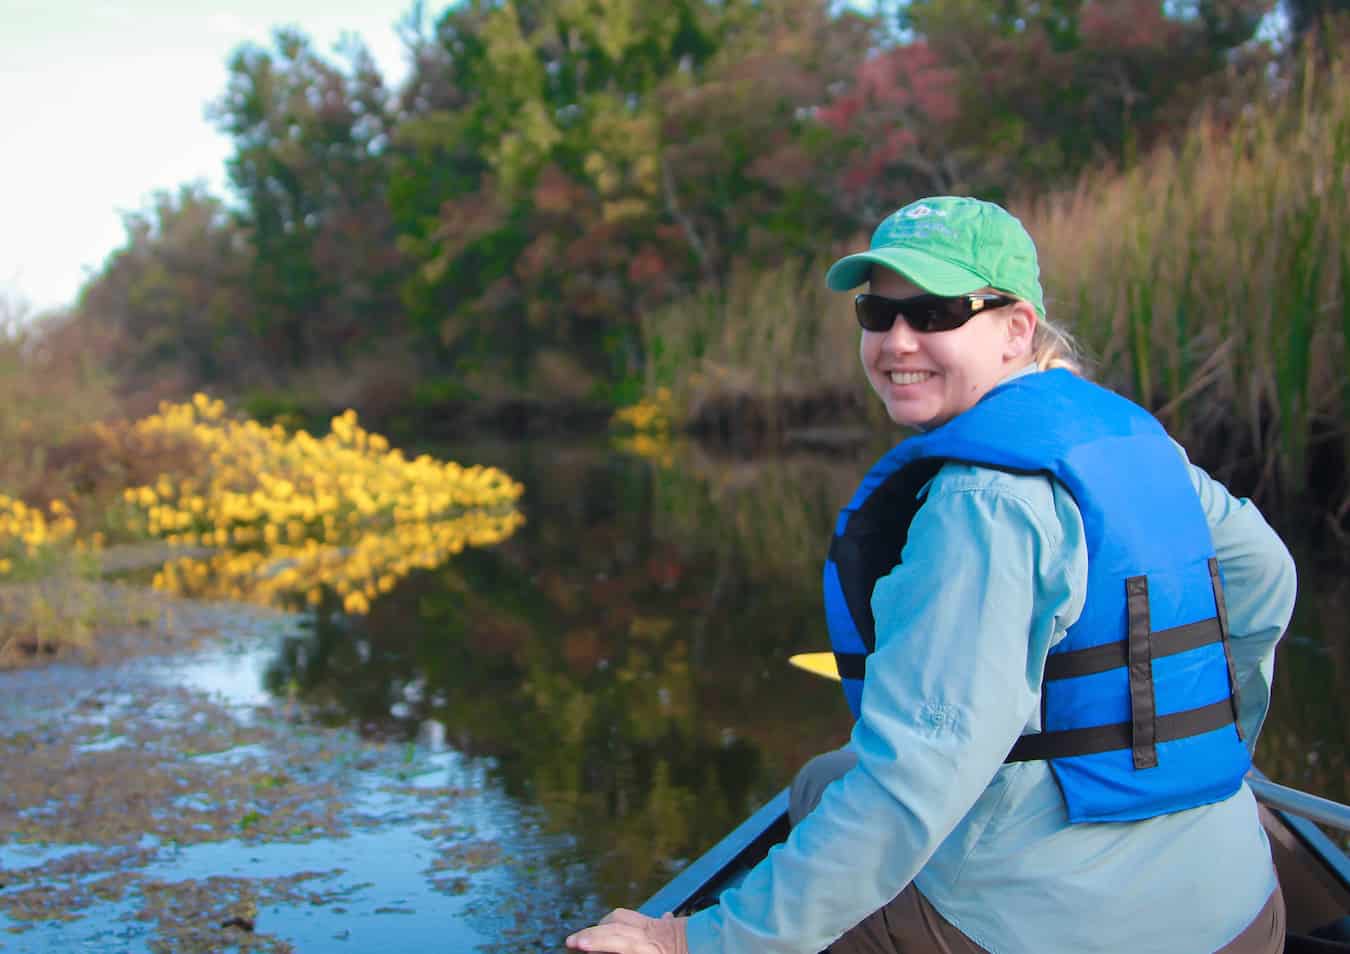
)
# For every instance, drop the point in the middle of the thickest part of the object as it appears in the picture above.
(102, 104)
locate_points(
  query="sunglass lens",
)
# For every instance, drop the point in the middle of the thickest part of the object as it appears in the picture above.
(923, 313)
(936, 314)
(876, 313)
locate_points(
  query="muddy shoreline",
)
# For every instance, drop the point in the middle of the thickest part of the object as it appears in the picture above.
(159, 800)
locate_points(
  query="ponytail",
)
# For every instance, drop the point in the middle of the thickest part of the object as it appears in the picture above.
(1053, 347)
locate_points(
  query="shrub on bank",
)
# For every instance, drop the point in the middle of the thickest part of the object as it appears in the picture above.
(46, 594)
(285, 514)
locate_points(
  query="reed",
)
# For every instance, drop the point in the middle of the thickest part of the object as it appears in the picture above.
(769, 336)
(1210, 283)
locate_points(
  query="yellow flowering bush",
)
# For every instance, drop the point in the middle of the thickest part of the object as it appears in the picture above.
(48, 600)
(288, 514)
(653, 414)
(649, 425)
(29, 536)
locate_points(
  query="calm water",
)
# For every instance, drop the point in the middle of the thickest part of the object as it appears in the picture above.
(610, 685)
(622, 658)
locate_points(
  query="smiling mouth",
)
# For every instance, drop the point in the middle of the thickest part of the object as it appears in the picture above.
(909, 377)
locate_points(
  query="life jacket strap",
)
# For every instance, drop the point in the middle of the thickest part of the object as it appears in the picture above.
(1135, 654)
(1143, 737)
(1164, 642)
(1217, 583)
(1119, 735)
(851, 665)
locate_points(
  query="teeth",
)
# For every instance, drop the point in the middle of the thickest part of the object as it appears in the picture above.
(910, 377)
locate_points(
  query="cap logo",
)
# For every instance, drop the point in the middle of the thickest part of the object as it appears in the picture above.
(922, 211)
(910, 229)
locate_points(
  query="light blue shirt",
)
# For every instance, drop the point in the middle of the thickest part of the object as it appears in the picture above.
(994, 571)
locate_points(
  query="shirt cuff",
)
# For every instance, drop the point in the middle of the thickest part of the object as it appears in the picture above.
(703, 929)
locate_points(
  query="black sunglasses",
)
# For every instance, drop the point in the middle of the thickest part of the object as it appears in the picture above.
(924, 313)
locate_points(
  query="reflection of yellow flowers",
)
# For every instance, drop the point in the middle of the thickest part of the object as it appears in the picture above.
(656, 449)
(292, 513)
(358, 570)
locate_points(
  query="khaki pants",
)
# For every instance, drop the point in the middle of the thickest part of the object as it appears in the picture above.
(908, 924)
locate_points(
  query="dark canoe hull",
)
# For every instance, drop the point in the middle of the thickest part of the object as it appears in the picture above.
(1314, 872)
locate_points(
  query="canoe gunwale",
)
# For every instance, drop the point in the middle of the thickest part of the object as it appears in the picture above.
(1301, 812)
(706, 875)
(699, 883)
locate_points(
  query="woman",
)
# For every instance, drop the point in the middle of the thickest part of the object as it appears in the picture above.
(1060, 695)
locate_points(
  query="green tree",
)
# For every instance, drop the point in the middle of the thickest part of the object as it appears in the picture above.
(309, 169)
(525, 167)
(1047, 88)
(750, 170)
(563, 164)
(174, 295)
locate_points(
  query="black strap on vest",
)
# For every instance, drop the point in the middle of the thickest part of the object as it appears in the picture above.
(1164, 642)
(1136, 654)
(851, 665)
(1223, 626)
(1144, 730)
(1105, 738)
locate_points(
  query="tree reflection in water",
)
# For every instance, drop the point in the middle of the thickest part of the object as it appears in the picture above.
(621, 658)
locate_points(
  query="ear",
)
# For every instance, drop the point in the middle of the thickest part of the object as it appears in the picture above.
(1021, 330)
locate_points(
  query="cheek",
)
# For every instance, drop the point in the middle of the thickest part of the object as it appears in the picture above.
(868, 346)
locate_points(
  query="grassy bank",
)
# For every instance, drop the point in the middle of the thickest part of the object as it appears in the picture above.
(769, 352)
(1210, 282)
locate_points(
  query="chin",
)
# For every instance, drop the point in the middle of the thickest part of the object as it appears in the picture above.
(919, 422)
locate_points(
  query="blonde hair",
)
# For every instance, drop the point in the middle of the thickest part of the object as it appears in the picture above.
(1053, 347)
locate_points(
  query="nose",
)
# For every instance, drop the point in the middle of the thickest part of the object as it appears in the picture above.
(901, 338)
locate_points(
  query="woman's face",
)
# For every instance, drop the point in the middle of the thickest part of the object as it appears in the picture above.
(927, 379)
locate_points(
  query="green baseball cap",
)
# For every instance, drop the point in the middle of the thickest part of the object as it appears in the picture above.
(949, 245)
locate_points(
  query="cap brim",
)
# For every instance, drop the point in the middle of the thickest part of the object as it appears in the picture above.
(933, 275)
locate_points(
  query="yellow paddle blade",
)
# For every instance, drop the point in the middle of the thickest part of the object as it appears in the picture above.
(819, 664)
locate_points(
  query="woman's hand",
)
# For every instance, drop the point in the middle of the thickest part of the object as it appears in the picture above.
(627, 932)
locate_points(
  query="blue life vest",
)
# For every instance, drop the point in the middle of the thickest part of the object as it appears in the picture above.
(1138, 700)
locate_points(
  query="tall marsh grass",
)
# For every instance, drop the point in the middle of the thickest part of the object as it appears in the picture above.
(1211, 282)
(770, 336)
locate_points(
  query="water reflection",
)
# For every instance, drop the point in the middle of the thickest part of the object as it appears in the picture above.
(621, 658)
(1306, 739)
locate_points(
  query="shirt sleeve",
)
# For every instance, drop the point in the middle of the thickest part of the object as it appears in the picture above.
(1259, 584)
(953, 681)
